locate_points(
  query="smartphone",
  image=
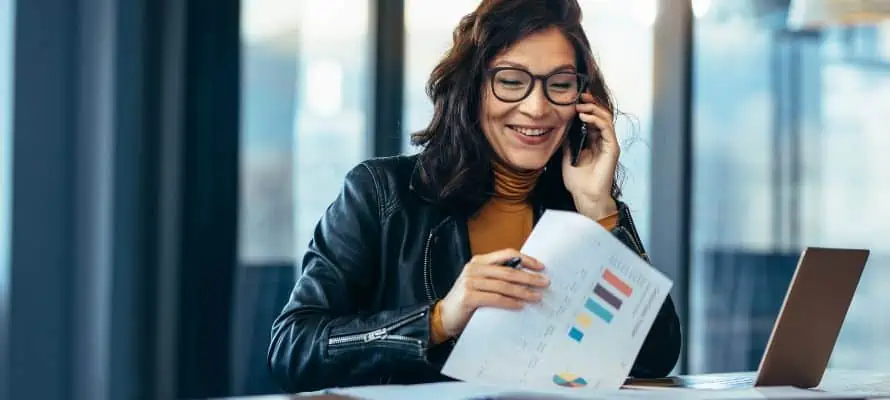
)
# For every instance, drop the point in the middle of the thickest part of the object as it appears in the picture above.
(580, 138)
(577, 140)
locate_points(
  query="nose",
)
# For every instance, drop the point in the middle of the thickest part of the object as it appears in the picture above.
(536, 104)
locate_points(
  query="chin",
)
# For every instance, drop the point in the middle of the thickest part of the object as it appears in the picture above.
(528, 161)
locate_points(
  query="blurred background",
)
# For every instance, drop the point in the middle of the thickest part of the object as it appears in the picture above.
(163, 165)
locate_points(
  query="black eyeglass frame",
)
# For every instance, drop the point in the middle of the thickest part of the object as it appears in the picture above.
(583, 80)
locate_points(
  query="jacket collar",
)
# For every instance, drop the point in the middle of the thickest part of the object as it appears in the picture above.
(422, 191)
(416, 184)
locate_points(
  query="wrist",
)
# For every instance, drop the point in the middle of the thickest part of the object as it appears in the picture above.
(438, 333)
(596, 209)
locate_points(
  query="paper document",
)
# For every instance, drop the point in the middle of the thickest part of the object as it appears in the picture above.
(446, 391)
(585, 333)
(468, 391)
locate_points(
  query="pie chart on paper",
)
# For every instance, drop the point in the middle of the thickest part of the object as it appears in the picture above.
(569, 380)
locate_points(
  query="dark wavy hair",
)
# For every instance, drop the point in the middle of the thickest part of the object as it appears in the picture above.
(455, 160)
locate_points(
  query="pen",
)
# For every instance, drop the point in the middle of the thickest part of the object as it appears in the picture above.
(513, 262)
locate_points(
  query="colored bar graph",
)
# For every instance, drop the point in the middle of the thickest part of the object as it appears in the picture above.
(598, 310)
(615, 281)
(607, 296)
(597, 303)
(583, 320)
(575, 334)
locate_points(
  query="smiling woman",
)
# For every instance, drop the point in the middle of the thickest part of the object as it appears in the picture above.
(620, 35)
(525, 134)
(413, 245)
(520, 121)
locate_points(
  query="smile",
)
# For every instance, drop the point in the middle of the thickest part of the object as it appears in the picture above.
(531, 132)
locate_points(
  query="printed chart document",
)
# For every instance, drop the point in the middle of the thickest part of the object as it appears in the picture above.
(469, 391)
(585, 333)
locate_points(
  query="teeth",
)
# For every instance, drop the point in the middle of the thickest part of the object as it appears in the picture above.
(530, 132)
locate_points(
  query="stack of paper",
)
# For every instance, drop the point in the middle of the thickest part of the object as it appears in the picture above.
(584, 336)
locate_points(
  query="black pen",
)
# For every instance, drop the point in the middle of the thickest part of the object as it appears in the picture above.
(513, 262)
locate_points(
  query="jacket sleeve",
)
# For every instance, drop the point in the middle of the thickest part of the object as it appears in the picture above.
(323, 337)
(661, 348)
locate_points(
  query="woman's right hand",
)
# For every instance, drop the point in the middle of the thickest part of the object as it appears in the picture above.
(485, 282)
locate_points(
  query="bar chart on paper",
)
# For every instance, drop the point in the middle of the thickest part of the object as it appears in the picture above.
(589, 326)
(602, 304)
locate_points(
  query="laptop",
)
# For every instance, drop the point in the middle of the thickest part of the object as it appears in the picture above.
(806, 329)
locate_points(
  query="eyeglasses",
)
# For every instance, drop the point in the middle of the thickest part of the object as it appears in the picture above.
(510, 84)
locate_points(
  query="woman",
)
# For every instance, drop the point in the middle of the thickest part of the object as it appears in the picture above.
(413, 245)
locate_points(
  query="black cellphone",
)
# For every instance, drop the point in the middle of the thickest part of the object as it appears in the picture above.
(577, 140)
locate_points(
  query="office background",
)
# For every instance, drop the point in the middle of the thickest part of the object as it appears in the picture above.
(163, 164)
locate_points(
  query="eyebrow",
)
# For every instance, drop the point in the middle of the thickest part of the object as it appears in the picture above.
(563, 67)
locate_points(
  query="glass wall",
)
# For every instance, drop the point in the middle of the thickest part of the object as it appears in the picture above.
(788, 142)
(6, 39)
(428, 29)
(6, 60)
(305, 90)
(304, 113)
(847, 189)
(621, 37)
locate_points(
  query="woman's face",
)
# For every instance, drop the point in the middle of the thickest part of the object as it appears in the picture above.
(526, 133)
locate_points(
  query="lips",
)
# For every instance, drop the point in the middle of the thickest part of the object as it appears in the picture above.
(531, 136)
(531, 132)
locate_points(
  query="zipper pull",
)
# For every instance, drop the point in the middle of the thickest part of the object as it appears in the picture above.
(375, 335)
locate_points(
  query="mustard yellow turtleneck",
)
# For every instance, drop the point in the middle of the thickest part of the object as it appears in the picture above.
(507, 218)
(504, 221)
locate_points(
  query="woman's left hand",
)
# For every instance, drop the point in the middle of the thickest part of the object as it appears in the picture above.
(590, 182)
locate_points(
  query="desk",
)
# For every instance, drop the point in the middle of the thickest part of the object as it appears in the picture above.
(835, 381)
(872, 385)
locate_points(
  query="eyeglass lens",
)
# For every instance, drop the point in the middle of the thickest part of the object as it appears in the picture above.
(515, 84)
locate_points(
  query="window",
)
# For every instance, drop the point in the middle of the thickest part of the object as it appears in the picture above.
(845, 189)
(6, 43)
(428, 29)
(788, 145)
(304, 108)
(621, 38)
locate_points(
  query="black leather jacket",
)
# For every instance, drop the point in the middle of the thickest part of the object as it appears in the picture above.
(380, 256)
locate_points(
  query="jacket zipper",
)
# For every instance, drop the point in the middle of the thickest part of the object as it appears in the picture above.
(379, 334)
(427, 267)
(427, 270)
(427, 282)
(633, 235)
